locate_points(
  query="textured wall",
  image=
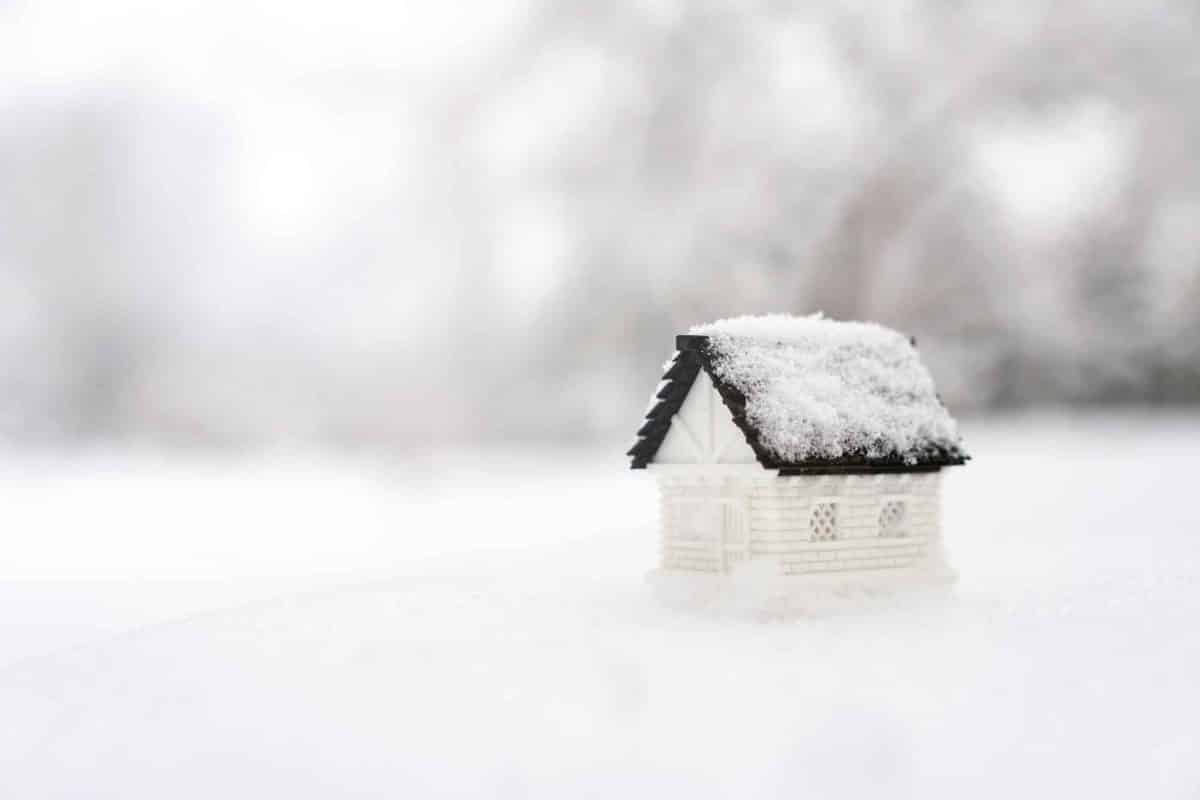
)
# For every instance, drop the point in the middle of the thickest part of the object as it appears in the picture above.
(808, 524)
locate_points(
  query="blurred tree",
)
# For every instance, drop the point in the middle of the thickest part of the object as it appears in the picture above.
(363, 252)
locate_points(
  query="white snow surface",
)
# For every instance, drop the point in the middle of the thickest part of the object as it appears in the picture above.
(477, 625)
(818, 388)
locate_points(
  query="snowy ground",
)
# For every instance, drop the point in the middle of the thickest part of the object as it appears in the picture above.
(478, 626)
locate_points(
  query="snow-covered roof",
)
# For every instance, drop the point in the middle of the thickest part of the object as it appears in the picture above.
(811, 392)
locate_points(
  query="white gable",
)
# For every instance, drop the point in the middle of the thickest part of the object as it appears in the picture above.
(702, 431)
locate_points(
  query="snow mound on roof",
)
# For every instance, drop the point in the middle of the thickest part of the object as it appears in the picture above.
(819, 389)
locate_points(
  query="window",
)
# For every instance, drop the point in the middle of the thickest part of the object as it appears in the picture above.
(893, 516)
(822, 522)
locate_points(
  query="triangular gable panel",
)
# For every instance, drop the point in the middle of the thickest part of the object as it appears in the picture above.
(702, 431)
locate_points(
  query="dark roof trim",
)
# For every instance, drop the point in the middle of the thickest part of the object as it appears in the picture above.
(862, 469)
(694, 355)
(677, 382)
(691, 343)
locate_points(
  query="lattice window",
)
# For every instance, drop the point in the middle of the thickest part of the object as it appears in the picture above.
(893, 515)
(823, 522)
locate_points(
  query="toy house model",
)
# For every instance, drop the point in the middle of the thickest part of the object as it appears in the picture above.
(799, 448)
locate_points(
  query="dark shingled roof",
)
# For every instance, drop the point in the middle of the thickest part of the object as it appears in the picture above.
(693, 356)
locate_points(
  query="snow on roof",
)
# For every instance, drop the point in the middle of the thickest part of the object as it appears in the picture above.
(821, 390)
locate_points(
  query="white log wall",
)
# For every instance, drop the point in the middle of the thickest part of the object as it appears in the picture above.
(778, 512)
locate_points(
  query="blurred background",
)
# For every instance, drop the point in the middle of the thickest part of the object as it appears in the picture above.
(408, 225)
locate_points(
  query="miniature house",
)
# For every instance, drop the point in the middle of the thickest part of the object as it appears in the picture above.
(808, 449)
